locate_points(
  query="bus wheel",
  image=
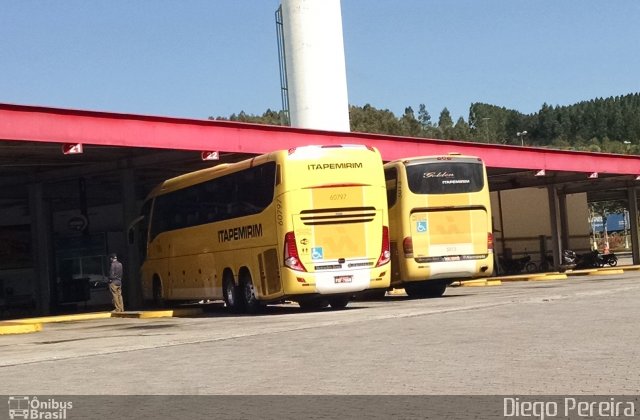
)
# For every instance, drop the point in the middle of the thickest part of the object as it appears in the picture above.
(231, 295)
(436, 289)
(426, 289)
(339, 302)
(413, 291)
(252, 304)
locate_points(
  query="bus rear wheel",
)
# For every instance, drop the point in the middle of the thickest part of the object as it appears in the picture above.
(426, 289)
(231, 295)
(252, 304)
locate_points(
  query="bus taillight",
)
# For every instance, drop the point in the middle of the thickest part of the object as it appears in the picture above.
(291, 257)
(407, 246)
(385, 253)
(490, 242)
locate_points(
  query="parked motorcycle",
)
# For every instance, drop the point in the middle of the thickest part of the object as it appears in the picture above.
(608, 259)
(516, 265)
(595, 259)
(588, 260)
(568, 262)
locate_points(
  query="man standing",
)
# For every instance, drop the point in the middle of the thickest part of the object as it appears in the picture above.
(115, 283)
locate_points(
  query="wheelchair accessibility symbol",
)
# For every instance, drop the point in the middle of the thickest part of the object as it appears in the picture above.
(316, 253)
(421, 226)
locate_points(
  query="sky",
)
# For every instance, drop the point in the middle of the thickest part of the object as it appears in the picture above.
(201, 58)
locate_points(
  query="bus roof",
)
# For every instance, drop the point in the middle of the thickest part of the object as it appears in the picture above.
(196, 177)
(437, 158)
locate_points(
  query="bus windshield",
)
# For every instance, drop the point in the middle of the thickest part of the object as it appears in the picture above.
(445, 177)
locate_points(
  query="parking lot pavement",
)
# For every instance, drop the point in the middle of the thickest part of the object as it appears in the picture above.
(571, 336)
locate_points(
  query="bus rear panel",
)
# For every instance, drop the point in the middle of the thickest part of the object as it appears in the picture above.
(440, 221)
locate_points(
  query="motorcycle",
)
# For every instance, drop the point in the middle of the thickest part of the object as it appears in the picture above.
(595, 259)
(516, 265)
(588, 260)
(608, 259)
(569, 260)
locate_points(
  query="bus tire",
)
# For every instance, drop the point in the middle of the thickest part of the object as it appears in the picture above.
(251, 302)
(436, 289)
(231, 294)
(338, 302)
(426, 289)
(413, 291)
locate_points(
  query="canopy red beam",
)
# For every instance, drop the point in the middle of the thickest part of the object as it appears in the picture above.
(44, 124)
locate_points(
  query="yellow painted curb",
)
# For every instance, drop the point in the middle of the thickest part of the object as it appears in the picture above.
(19, 328)
(494, 282)
(474, 283)
(630, 267)
(396, 292)
(67, 318)
(606, 272)
(581, 272)
(515, 277)
(545, 277)
(169, 313)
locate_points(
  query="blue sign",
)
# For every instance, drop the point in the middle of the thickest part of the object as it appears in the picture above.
(421, 226)
(615, 222)
(317, 253)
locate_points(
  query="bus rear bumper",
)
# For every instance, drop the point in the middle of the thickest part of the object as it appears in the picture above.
(332, 283)
(450, 270)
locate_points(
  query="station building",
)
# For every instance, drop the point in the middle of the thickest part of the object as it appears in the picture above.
(72, 182)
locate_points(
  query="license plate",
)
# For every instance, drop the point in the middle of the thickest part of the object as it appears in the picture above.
(343, 279)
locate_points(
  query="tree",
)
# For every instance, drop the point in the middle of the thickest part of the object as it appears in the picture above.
(409, 124)
(423, 116)
(368, 119)
(611, 124)
(461, 130)
(445, 124)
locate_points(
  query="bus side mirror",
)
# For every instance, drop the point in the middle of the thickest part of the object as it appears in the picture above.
(131, 230)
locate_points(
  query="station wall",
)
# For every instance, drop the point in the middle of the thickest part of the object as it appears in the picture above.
(522, 222)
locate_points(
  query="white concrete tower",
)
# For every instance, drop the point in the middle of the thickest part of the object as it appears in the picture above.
(316, 72)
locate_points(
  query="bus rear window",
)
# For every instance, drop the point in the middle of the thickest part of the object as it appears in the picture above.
(445, 177)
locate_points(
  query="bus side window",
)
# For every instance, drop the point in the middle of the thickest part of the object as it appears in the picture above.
(391, 179)
(158, 222)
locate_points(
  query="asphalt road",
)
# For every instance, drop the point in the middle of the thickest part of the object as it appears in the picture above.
(575, 336)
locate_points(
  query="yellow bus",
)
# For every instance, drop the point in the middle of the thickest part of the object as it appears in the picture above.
(308, 224)
(439, 222)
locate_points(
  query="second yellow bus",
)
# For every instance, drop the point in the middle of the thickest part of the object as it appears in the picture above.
(440, 222)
